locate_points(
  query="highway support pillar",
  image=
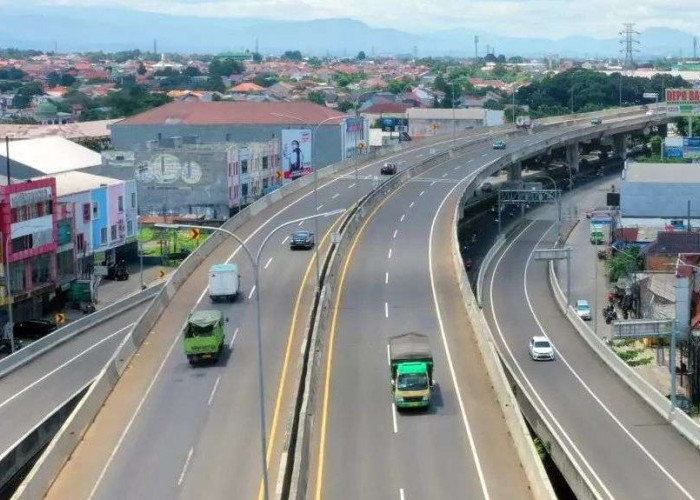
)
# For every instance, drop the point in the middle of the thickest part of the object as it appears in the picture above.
(515, 171)
(620, 145)
(662, 129)
(572, 157)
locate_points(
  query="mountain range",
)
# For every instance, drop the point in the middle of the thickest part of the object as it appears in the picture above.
(103, 28)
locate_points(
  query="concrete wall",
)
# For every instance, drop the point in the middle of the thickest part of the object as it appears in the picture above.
(327, 150)
(422, 128)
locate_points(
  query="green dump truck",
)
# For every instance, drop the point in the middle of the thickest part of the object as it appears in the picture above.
(411, 370)
(204, 336)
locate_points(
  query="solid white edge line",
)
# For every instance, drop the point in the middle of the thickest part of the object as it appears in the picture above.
(184, 467)
(252, 291)
(62, 365)
(533, 392)
(267, 264)
(465, 420)
(213, 391)
(233, 339)
(393, 417)
(586, 387)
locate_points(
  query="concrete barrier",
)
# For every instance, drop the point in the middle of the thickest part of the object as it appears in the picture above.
(679, 420)
(537, 477)
(44, 344)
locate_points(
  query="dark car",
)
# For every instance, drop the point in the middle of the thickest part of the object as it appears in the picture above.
(487, 187)
(33, 328)
(499, 145)
(388, 169)
(596, 121)
(302, 240)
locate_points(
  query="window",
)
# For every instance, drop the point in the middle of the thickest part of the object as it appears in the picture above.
(22, 243)
(130, 227)
(80, 242)
(65, 263)
(244, 190)
(103, 236)
(18, 279)
(95, 210)
(133, 200)
(120, 203)
(114, 232)
(86, 212)
(265, 183)
(244, 166)
(65, 232)
(41, 269)
(264, 162)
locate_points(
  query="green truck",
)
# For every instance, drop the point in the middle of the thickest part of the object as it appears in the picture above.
(204, 336)
(600, 234)
(411, 370)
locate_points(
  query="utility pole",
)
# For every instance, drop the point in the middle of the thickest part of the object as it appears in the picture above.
(476, 46)
(454, 119)
(695, 47)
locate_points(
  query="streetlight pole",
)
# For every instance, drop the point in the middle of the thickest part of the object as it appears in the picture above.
(315, 169)
(10, 317)
(454, 118)
(255, 263)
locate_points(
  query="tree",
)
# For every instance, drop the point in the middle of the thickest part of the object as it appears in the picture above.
(361, 56)
(52, 79)
(624, 263)
(265, 79)
(656, 145)
(225, 66)
(67, 80)
(345, 106)
(501, 58)
(317, 97)
(23, 96)
(192, 71)
(398, 86)
(216, 98)
(490, 58)
(215, 84)
(257, 57)
(141, 70)
(292, 55)
(11, 73)
(516, 60)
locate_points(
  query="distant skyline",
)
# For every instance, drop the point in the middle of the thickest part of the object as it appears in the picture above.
(514, 18)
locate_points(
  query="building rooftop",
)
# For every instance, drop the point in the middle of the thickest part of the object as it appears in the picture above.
(236, 113)
(80, 130)
(51, 155)
(68, 183)
(662, 172)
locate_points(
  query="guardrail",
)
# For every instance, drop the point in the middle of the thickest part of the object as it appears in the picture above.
(679, 420)
(49, 465)
(36, 349)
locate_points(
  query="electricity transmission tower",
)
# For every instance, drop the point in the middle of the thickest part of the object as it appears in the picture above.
(629, 40)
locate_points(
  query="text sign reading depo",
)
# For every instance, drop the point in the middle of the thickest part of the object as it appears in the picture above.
(678, 96)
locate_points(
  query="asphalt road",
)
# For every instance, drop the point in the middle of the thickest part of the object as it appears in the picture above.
(367, 449)
(172, 428)
(625, 447)
(35, 390)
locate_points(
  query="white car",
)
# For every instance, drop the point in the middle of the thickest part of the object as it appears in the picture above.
(541, 348)
(583, 310)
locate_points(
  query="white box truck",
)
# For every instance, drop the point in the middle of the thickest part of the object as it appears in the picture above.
(224, 282)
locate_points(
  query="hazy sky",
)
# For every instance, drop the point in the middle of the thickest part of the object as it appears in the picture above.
(528, 18)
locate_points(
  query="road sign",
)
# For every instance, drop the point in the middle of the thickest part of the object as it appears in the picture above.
(60, 318)
(161, 273)
(361, 145)
(552, 253)
(194, 233)
(278, 175)
(640, 328)
(650, 95)
(100, 271)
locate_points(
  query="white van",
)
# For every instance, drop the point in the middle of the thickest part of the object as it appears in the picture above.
(224, 282)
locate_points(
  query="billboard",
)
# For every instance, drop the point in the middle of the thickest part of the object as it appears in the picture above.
(691, 147)
(296, 153)
(683, 102)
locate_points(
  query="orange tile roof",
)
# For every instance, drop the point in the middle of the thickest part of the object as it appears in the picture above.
(247, 87)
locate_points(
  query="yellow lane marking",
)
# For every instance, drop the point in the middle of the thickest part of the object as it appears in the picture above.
(287, 354)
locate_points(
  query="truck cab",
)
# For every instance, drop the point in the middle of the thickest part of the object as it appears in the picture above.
(204, 336)
(411, 371)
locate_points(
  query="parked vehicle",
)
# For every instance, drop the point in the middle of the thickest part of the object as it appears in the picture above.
(33, 328)
(224, 282)
(596, 121)
(302, 240)
(204, 336)
(583, 309)
(499, 145)
(541, 349)
(388, 169)
(117, 271)
(523, 121)
(411, 370)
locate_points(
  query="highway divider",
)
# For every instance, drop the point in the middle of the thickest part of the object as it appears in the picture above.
(677, 418)
(44, 344)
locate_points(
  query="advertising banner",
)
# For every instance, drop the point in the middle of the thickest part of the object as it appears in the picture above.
(296, 153)
(691, 147)
(683, 102)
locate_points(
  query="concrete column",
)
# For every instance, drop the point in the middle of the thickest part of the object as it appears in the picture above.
(572, 156)
(515, 171)
(620, 145)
